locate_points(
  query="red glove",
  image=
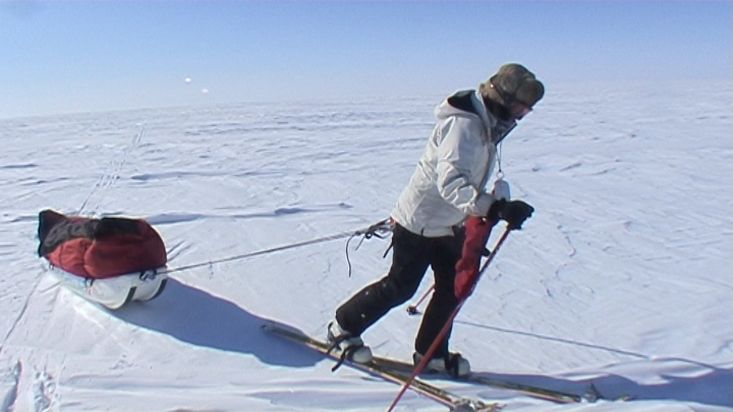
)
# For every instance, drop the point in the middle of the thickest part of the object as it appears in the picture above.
(478, 230)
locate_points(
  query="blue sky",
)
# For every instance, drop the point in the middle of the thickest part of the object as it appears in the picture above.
(76, 56)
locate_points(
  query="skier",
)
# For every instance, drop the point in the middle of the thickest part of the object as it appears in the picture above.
(447, 187)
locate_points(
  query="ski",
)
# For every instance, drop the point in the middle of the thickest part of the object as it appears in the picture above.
(442, 396)
(529, 390)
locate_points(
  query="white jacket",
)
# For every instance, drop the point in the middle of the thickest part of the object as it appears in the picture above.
(448, 183)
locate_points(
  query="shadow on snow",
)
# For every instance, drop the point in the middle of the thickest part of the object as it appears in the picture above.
(196, 317)
(712, 386)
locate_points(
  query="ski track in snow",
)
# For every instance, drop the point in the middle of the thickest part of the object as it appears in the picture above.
(12, 394)
(616, 280)
(32, 390)
(43, 390)
(110, 176)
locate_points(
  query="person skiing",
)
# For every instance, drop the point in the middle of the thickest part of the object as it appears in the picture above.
(447, 187)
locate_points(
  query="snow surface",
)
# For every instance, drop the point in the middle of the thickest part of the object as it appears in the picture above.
(622, 277)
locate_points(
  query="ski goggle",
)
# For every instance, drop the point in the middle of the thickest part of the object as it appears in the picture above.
(518, 110)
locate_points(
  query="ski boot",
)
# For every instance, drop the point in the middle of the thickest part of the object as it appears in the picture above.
(454, 364)
(351, 347)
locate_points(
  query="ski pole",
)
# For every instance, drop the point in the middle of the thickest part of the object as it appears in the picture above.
(412, 309)
(444, 330)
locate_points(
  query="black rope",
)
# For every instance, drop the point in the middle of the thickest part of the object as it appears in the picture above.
(345, 354)
(342, 358)
(334, 344)
(377, 230)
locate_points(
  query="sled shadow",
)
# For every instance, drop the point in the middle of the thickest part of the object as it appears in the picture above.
(196, 317)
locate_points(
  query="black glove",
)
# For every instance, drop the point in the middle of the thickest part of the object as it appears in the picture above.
(515, 212)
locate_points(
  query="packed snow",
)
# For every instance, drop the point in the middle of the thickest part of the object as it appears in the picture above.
(622, 278)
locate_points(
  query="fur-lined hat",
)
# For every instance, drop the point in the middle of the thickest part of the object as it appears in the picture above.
(513, 83)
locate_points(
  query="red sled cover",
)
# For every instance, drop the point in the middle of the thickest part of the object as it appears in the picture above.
(99, 248)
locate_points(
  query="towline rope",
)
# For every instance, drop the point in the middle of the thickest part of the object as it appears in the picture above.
(379, 230)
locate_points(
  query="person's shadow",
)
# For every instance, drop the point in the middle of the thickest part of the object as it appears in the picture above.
(711, 388)
(711, 385)
(198, 318)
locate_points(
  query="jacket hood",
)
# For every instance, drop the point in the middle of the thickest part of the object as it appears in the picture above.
(466, 103)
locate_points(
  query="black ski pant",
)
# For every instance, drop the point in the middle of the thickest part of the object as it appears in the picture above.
(411, 256)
